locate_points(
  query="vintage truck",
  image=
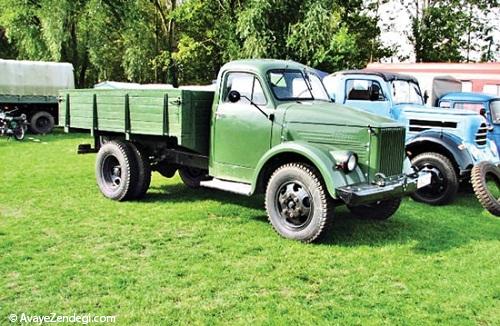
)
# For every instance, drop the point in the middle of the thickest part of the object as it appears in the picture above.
(269, 127)
(479, 103)
(446, 144)
(32, 88)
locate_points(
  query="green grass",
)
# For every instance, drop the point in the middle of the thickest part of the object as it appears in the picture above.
(203, 257)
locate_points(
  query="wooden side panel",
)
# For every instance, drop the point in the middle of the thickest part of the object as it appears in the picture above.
(111, 111)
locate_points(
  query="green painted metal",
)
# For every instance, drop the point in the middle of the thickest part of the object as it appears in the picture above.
(183, 114)
(242, 139)
(27, 99)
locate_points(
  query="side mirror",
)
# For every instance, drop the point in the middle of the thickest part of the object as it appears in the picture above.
(482, 112)
(332, 97)
(426, 96)
(234, 96)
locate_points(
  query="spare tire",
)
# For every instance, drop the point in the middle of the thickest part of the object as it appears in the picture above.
(42, 122)
(485, 178)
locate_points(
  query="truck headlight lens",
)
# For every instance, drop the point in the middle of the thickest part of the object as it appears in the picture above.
(352, 162)
(346, 161)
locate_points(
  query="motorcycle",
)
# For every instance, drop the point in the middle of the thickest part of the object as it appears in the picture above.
(13, 126)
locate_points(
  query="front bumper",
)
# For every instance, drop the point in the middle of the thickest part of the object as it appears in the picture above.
(387, 188)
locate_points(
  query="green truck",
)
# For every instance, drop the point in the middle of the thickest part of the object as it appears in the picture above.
(32, 88)
(268, 128)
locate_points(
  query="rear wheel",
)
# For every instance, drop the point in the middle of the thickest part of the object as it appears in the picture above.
(444, 184)
(116, 170)
(42, 122)
(485, 178)
(143, 171)
(192, 177)
(297, 203)
(381, 210)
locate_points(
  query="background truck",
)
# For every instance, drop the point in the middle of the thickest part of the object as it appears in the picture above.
(479, 103)
(447, 144)
(269, 128)
(33, 88)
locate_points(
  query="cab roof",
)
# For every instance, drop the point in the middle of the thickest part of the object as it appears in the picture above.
(467, 96)
(387, 76)
(262, 66)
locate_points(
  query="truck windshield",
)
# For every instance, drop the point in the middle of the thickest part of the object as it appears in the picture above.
(406, 92)
(296, 85)
(495, 111)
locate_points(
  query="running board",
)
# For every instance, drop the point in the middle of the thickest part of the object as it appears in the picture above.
(234, 187)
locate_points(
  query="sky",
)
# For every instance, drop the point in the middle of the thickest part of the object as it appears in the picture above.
(401, 27)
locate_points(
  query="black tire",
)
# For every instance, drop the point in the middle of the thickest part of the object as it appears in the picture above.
(116, 170)
(20, 132)
(297, 203)
(482, 175)
(42, 122)
(166, 170)
(192, 177)
(381, 210)
(444, 185)
(143, 172)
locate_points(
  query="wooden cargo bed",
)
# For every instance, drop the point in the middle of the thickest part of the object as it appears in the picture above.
(183, 114)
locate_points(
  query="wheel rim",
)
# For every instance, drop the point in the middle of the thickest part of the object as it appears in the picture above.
(438, 185)
(493, 185)
(295, 205)
(42, 123)
(111, 172)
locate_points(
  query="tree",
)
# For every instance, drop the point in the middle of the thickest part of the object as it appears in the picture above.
(449, 30)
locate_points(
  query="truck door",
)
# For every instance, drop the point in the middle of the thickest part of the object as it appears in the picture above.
(242, 134)
(367, 95)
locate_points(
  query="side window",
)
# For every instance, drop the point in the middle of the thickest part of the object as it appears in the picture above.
(364, 90)
(474, 107)
(247, 85)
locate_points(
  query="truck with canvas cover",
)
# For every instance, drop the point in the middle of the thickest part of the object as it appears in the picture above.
(32, 88)
(446, 144)
(268, 128)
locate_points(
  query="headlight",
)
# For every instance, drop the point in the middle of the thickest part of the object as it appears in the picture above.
(352, 162)
(346, 161)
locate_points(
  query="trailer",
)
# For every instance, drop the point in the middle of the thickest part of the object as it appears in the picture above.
(32, 88)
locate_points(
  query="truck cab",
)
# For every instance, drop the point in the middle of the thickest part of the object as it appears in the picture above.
(269, 127)
(447, 144)
(479, 103)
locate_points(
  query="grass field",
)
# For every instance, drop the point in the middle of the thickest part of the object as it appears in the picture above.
(203, 257)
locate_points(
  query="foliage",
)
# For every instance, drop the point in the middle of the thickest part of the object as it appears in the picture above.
(449, 30)
(184, 256)
(188, 41)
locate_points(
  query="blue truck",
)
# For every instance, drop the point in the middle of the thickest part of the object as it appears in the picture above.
(483, 104)
(444, 142)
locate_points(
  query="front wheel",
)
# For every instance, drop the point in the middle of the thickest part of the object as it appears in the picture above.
(297, 204)
(444, 184)
(485, 178)
(381, 210)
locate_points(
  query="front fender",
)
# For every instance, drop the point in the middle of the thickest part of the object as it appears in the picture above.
(450, 142)
(320, 157)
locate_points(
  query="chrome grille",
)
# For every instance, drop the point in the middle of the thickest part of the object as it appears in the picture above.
(392, 151)
(482, 134)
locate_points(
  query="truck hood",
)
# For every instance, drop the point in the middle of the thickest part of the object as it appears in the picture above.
(459, 122)
(326, 113)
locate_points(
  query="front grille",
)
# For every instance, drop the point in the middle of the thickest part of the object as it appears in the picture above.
(481, 134)
(421, 125)
(391, 150)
